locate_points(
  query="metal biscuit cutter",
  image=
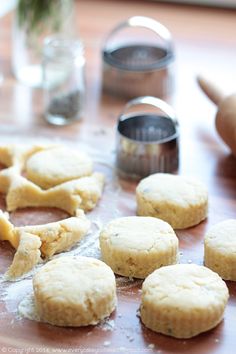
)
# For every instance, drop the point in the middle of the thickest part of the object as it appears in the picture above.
(139, 65)
(147, 142)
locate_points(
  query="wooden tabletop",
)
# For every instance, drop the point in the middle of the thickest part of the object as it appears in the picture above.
(205, 42)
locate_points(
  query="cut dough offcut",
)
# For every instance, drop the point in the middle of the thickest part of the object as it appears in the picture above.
(60, 235)
(58, 165)
(82, 193)
(178, 200)
(48, 239)
(7, 230)
(74, 292)
(183, 300)
(26, 257)
(135, 246)
(220, 249)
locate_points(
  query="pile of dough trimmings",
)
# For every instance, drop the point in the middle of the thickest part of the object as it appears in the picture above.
(180, 201)
(74, 291)
(48, 239)
(220, 249)
(76, 192)
(136, 246)
(183, 300)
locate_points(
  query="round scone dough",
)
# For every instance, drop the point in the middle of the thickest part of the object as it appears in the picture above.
(135, 246)
(51, 167)
(74, 292)
(183, 300)
(180, 201)
(220, 249)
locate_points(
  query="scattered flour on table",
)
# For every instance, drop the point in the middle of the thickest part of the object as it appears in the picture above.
(12, 293)
(107, 325)
(27, 308)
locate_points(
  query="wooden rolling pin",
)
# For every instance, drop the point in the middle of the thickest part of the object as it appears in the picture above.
(226, 115)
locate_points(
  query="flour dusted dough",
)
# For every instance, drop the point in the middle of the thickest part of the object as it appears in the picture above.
(74, 291)
(136, 246)
(183, 300)
(220, 249)
(180, 201)
(49, 168)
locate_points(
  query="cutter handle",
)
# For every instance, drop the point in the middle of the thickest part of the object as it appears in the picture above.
(145, 22)
(151, 101)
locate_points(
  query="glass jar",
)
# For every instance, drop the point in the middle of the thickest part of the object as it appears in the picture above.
(33, 22)
(63, 80)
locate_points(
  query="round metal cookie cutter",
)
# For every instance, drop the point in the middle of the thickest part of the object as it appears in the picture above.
(135, 67)
(147, 141)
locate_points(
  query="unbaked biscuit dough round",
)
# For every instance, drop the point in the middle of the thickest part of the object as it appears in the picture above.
(183, 300)
(180, 201)
(51, 167)
(74, 292)
(135, 246)
(220, 249)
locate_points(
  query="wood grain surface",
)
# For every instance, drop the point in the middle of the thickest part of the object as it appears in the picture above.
(205, 42)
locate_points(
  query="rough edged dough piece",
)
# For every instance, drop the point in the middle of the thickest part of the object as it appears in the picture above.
(74, 291)
(7, 230)
(60, 235)
(55, 166)
(135, 246)
(220, 249)
(81, 193)
(183, 300)
(26, 257)
(53, 238)
(56, 236)
(180, 201)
